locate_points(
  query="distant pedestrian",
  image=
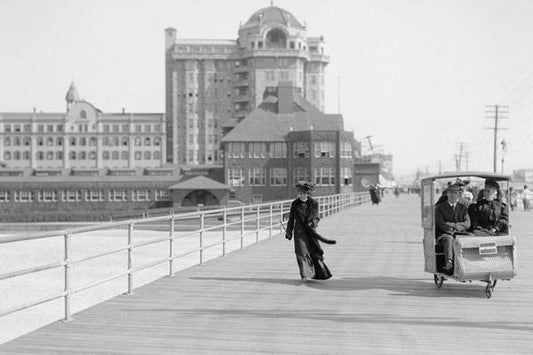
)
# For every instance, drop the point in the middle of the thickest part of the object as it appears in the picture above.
(303, 220)
(375, 196)
(526, 198)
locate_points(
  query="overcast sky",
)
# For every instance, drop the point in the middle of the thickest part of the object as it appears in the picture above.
(415, 75)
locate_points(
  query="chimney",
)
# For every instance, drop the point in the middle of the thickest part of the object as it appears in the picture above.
(285, 97)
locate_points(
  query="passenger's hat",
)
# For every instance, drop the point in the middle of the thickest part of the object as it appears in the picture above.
(492, 183)
(455, 188)
(305, 186)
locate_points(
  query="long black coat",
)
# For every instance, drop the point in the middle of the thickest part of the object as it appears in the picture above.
(303, 219)
(490, 214)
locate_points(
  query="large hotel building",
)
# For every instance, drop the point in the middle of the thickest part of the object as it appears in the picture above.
(245, 114)
(211, 85)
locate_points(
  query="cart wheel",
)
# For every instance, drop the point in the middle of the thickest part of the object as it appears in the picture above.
(488, 291)
(438, 280)
(494, 284)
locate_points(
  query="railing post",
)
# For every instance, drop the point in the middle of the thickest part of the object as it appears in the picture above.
(270, 221)
(68, 317)
(171, 247)
(224, 229)
(202, 221)
(130, 258)
(281, 211)
(242, 227)
(257, 226)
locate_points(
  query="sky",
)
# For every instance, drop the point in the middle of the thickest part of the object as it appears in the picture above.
(420, 77)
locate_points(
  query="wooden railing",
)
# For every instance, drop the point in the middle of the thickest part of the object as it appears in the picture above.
(242, 221)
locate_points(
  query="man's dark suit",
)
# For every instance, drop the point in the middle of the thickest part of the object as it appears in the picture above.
(448, 222)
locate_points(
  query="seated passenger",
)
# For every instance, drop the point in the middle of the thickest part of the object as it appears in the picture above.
(489, 215)
(451, 219)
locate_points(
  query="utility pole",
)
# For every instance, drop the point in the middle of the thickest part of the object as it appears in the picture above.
(459, 157)
(496, 112)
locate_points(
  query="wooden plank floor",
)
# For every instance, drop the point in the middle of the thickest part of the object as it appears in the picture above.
(379, 301)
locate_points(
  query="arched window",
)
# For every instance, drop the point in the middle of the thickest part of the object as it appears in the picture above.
(147, 155)
(157, 155)
(147, 141)
(92, 141)
(276, 38)
(40, 155)
(7, 155)
(138, 155)
(50, 141)
(73, 141)
(92, 155)
(59, 155)
(83, 114)
(157, 141)
(115, 141)
(26, 155)
(16, 155)
(72, 155)
(138, 141)
(125, 141)
(83, 155)
(26, 141)
(49, 155)
(40, 141)
(16, 141)
(59, 141)
(83, 141)
(7, 141)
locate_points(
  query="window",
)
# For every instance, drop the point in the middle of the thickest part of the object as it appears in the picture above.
(7, 128)
(59, 141)
(106, 128)
(47, 196)
(7, 141)
(236, 150)
(346, 150)
(93, 141)
(141, 195)
(346, 174)
(115, 128)
(257, 176)
(235, 177)
(301, 149)
(49, 155)
(83, 114)
(147, 141)
(26, 141)
(124, 155)
(59, 155)
(125, 128)
(301, 174)
(4, 196)
(269, 75)
(71, 196)
(147, 155)
(147, 128)
(325, 149)
(138, 141)
(17, 141)
(257, 198)
(278, 177)
(94, 195)
(49, 128)
(325, 176)
(72, 141)
(106, 155)
(115, 155)
(16, 155)
(138, 128)
(72, 155)
(157, 141)
(161, 195)
(83, 141)
(125, 141)
(23, 196)
(118, 195)
(40, 155)
(278, 150)
(257, 150)
(284, 75)
(138, 155)
(92, 155)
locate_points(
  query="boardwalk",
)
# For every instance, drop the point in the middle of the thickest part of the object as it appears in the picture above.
(379, 301)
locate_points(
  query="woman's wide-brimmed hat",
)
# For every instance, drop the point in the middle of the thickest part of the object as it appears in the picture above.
(305, 186)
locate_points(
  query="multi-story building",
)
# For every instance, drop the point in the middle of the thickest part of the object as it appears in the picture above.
(82, 137)
(284, 140)
(213, 84)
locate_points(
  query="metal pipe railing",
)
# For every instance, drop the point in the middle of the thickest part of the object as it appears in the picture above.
(265, 216)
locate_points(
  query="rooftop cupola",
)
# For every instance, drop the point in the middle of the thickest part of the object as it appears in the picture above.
(72, 95)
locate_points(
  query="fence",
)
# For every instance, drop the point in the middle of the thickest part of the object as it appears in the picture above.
(244, 221)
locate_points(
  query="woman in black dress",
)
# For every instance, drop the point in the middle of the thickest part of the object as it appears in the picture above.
(303, 220)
